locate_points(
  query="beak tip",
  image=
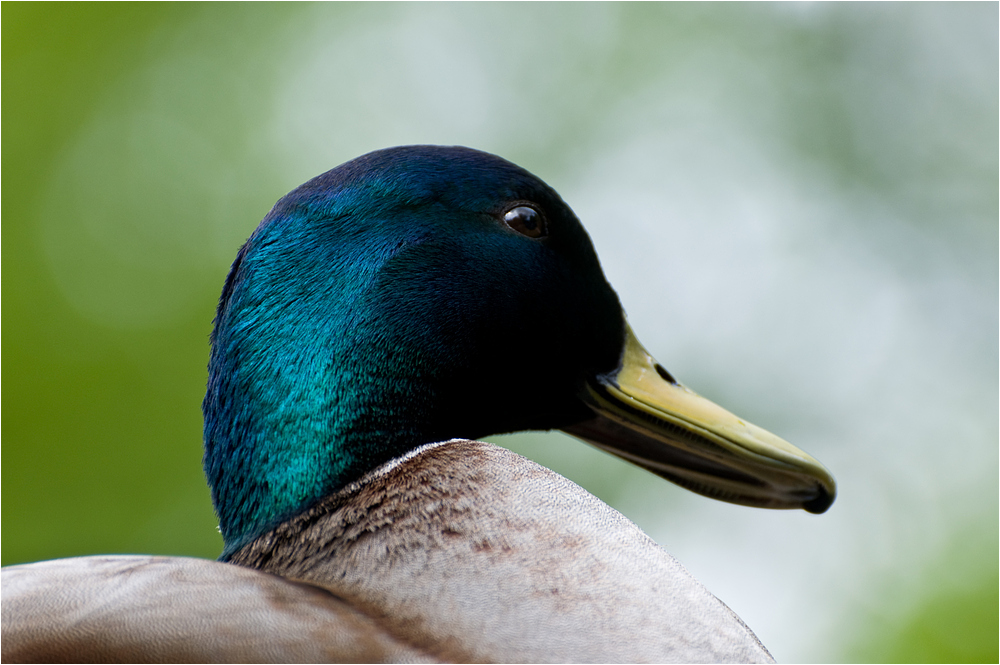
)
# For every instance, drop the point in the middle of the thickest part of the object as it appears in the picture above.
(821, 502)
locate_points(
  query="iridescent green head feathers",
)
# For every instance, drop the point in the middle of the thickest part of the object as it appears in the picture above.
(411, 295)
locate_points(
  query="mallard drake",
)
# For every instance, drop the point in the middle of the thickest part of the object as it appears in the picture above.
(382, 317)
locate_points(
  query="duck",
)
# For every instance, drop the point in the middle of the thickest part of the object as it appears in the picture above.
(382, 319)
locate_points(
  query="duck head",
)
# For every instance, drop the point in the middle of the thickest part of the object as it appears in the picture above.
(424, 293)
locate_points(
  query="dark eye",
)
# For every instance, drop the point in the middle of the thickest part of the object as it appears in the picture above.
(526, 220)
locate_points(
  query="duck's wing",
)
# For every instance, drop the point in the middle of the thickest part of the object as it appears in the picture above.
(121, 609)
(483, 555)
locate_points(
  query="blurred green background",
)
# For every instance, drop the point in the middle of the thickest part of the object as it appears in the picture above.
(798, 205)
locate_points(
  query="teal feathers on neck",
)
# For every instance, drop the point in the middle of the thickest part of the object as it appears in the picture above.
(390, 302)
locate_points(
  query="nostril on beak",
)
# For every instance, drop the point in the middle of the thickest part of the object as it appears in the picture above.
(665, 375)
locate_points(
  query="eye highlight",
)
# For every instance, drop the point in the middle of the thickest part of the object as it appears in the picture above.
(526, 220)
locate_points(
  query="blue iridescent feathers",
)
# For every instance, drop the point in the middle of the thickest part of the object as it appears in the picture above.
(386, 304)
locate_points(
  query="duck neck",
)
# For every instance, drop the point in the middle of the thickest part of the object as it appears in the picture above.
(289, 426)
(292, 411)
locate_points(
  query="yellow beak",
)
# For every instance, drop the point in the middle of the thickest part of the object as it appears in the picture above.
(643, 415)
